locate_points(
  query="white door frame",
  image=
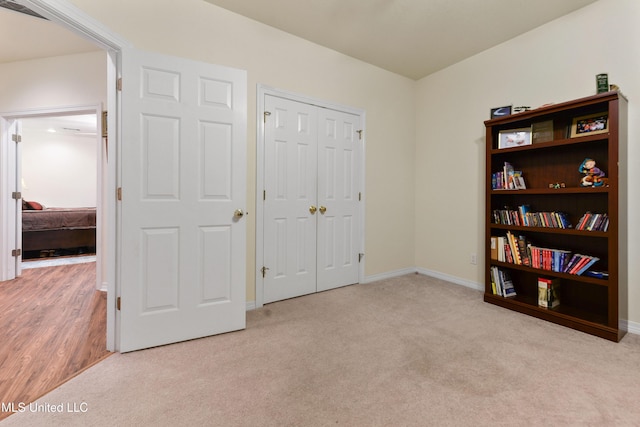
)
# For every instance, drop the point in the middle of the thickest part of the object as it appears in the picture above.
(70, 17)
(263, 90)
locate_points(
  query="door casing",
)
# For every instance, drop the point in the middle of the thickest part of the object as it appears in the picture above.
(73, 19)
(263, 90)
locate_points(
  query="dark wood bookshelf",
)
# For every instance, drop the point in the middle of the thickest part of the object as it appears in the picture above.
(597, 306)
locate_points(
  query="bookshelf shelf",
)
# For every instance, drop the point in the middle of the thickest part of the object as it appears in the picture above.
(589, 304)
(550, 230)
(551, 144)
(550, 273)
(556, 191)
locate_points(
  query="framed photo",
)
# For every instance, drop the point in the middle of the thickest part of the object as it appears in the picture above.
(514, 138)
(542, 132)
(592, 124)
(500, 112)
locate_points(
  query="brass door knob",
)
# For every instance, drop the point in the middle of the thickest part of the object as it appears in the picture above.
(323, 209)
(312, 209)
(238, 213)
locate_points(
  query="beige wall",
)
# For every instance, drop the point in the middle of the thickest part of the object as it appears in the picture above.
(554, 63)
(425, 139)
(73, 80)
(198, 30)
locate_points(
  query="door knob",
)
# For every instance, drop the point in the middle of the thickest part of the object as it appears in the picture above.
(238, 213)
(312, 209)
(323, 209)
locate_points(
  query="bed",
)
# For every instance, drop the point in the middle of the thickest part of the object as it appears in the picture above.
(57, 229)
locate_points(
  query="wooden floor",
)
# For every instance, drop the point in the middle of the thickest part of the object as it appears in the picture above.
(52, 327)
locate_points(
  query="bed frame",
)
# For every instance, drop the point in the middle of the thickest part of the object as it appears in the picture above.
(56, 229)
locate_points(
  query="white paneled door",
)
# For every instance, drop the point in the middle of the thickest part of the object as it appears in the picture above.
(311, 187)
(183, 178)
(338, 190)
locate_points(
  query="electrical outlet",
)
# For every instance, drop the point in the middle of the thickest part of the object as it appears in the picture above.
(474, 259)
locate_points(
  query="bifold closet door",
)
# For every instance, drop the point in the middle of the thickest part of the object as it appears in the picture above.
(310, 200)
(338, 193)
(290, 155)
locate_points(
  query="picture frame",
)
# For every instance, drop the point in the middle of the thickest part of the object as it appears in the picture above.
(500, 112)
(514, 138)
(542, 132)
(592, 124)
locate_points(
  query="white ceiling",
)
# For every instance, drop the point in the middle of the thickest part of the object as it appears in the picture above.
(80, 125)
(24, 37)
(413, 38)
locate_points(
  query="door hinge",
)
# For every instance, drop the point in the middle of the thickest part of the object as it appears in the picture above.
(360, 256)
(105, 127)
(118, 301)
(16, 252)
(359, 134)
(16, 195)
(119, 84)
(264, 195)
(119, 193)
(264, 271)
(359, 196)
(266, 114)
(16, 138)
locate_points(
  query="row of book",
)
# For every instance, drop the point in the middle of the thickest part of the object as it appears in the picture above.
(508, 179)
(548, 289)
(524, 217)
(501, 283)
(514, 249)
(593, 222)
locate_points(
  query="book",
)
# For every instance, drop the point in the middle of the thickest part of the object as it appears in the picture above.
(503, 283)
(507, 284)
(586, 266)
(548, 292)
(494, 248)
(495, 281)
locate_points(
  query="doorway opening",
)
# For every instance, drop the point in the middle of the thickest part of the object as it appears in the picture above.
(60, 187)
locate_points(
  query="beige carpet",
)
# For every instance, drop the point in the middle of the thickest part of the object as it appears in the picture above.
(409, 351)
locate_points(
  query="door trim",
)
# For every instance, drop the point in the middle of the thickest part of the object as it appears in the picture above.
(73, 19)
(261, 91)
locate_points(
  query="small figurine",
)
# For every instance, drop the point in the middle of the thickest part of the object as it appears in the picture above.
(593, 176)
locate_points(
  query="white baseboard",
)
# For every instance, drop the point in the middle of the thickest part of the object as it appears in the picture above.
(389, 275)
(632, 327)
(251, 305)
(452, 279)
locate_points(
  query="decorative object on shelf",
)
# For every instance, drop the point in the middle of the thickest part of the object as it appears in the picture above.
(542, 132)
(592, 124)
(521, 109)
(501, 111)
(557, 185)
(602, 82)
(514, 138)
(593, 176)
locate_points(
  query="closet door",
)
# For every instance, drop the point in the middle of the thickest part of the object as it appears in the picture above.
(290, 195)
(338, 191)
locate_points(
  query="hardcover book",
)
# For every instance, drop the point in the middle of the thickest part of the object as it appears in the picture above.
(548, 292)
